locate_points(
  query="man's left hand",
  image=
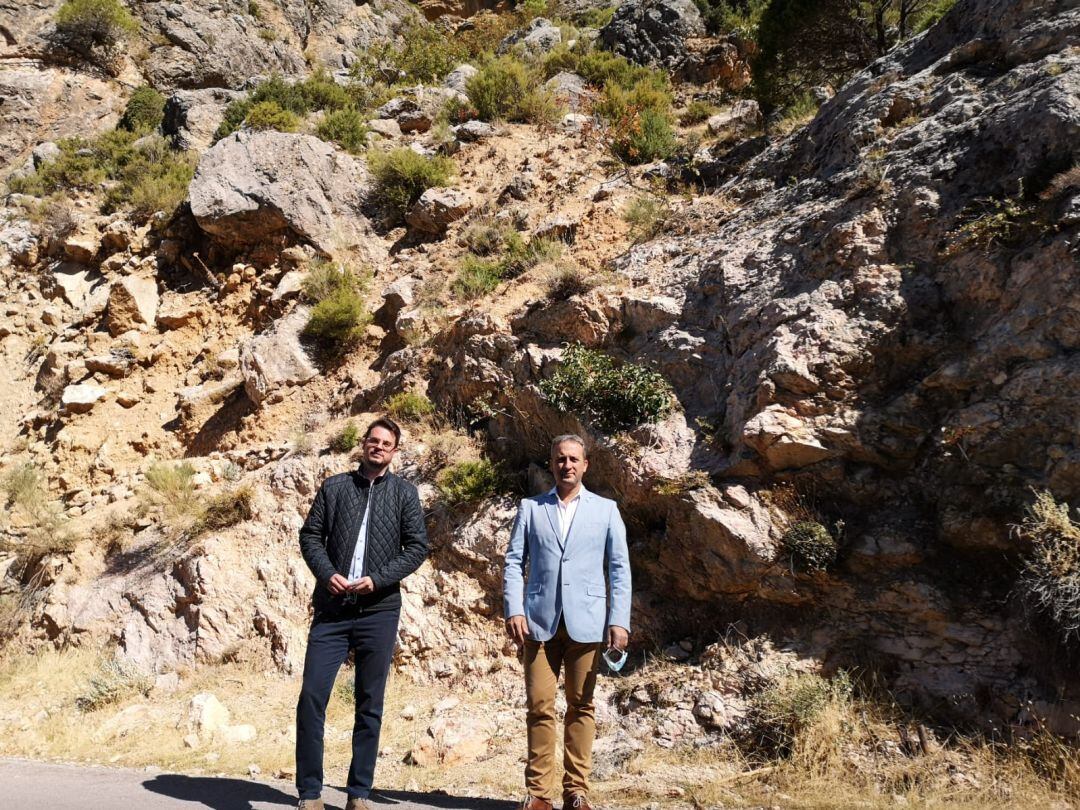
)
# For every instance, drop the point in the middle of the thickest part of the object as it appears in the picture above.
(362, 586)
(617, 637)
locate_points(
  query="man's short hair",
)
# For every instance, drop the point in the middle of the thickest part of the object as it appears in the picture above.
(386, 423)
(569, 437)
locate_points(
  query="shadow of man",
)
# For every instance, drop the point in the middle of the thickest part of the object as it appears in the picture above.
(219, 794)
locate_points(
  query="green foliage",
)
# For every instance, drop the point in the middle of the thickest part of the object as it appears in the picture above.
(504, 89)
(338, 319)
(401, 176)
(595, 17)
(424, 56)
(810, 545)
(87, 25)
(732, 16)
(1050, 578)
(347, 439)
(568, 282)
(477, 277)
(318, 91)
(487, 236)
(268, 115)
(114, 682)
(608, 394)
(697, 112)
(469, 482)
(779, 713)
(996, 222)
(647, 215)
(345, 127)
(798, 112)
(144, 110)
(143, 179)
(640, 119)
(408, 406)
(929, 13)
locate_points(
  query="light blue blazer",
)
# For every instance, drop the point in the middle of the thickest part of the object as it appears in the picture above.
(545, 579)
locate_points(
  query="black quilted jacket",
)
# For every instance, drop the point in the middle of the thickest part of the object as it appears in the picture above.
(396, 538)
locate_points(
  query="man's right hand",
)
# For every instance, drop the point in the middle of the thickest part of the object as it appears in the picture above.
(518, 629)
(337, 585)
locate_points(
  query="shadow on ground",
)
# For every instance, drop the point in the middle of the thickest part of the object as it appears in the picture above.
(242, 794)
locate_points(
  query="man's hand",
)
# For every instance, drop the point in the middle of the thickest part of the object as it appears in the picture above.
(337, 585)
(518, 629)
(362, 586)
(617, 637)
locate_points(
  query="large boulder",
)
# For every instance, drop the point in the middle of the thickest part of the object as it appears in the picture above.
(653, 32)
(255, 186)
(192, 116)
(275, 359)
(437, 208)
(539, 36)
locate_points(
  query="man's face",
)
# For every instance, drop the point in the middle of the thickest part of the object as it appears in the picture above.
(379, 447)
(568, 463)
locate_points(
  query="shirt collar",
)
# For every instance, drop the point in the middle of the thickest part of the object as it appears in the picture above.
(554, 492)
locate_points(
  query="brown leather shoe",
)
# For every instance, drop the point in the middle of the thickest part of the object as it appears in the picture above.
(536, 803)
(310, 804)
(355, 803)
(577, 801)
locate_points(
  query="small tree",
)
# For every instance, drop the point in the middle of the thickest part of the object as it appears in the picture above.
(86, 26)
(144, 110)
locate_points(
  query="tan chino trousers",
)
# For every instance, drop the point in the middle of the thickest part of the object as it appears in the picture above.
(543, 661)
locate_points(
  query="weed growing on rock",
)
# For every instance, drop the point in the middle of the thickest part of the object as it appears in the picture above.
(345, 127)
(90, 26)
(41, 527)
(477, 277)
(224, 510)
(317, 92)
(144, 110)
(269, 115)
(347, 439)
(409, 406)
(697, 112)
(469, 482)
(1050, 578)
(608, 394)
(112, 683)
(567, 281)
(173, 487)
(337, 322)
(401, 176)
(784, 711)
(647, 215)
(810, 545)
(424, 55)
(506, 90)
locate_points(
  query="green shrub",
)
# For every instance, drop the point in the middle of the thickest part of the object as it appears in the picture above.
(1050, 578)
(409, 407)
(347, 439)
(337, 322)
(155, 178)
(268, 115)
(114, 682)
(810, 545)
(697, 112)
(144, 110)
(647, 215)
(477, 277)
(608, 394)
(469, 482)
(568, 282)
(780, 713)
(424, 56)
(318, 92)
(486, 236)
(401, 176)
(504, 89)
(86, 25)
(595, 17)
(173, 484)
(732, 16)
(345, 127)
(326, 278)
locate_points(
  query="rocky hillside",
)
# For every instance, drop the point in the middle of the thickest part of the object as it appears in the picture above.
(844, 357)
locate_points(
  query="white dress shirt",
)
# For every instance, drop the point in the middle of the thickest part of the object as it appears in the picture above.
(356, 570)
(566, 513)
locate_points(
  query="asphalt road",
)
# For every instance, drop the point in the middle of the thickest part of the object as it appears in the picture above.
(27, 785)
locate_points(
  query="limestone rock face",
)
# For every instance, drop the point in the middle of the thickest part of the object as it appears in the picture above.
(82, 397)
(133, 302)
(653, 32)
(192, 116)
(739, 120)
(253, 186)
(275, 359)
(539, 36)
(437, 208)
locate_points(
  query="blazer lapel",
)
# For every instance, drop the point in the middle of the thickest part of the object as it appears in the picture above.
(551, 507)
(583, 500)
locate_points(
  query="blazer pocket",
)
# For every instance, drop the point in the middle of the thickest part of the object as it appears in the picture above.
(531, 589)
(596, 590)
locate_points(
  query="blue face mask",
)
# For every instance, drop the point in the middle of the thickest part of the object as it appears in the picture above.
(614, 658)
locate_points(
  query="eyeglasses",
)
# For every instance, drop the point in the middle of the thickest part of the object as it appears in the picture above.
(614, 658)
(385, 445)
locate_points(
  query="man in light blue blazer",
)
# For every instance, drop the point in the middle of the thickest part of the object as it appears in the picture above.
(560, 610)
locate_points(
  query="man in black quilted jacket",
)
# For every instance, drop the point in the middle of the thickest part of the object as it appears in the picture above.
(364, 534)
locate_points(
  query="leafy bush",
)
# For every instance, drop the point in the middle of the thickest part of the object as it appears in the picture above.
(477, 277)
(268, 115)
(608, 394)
(781, 712)
(811, 546)
(595, 17)
(347, 439)
(641, 120)
(1050, 579)
(144, 110)
(425, 55)
(317, 92)
(409, 407)
(504, 89)
(401, 176)
(147, 178)
(86, 25)
(697, 112)
(337, 322)
(345, 127)
(469, 481)
(647, 215)
(732, 16)
(114, 682)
